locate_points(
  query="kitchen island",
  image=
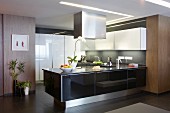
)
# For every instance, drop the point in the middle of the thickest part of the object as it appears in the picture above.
(86, 85)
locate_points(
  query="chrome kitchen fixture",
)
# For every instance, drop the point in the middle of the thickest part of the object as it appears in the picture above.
(89, 25)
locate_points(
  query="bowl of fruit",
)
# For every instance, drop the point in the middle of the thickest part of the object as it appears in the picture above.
(66, 68)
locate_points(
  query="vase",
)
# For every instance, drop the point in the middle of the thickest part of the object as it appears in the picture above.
(26, 90)
(21, 91)
(74, 64)
(15, 87)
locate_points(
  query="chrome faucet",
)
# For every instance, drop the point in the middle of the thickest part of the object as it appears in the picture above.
(109, 61)
(118, 61)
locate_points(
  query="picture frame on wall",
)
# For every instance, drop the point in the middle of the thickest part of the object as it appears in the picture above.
(20, 42)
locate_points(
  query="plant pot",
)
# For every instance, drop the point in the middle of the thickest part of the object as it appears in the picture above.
(26, 90)
(74, 64)
(15, 87)
(21, 92)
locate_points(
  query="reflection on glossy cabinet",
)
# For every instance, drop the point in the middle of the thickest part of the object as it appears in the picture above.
(108, 82)
(78, 86)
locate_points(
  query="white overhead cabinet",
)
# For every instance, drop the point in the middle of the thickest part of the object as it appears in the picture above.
(130, 39)
(105, 44)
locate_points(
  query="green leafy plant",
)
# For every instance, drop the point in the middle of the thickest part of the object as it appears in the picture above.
(20, 84)
(70, 59)
(16, 68)
(24, 84)
(27, 84)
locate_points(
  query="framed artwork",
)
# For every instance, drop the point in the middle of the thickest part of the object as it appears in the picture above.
(20, 42)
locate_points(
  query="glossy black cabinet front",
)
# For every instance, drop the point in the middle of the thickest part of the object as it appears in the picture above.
(80, 85)
(90, 84)
(136, 78)
(107, 82)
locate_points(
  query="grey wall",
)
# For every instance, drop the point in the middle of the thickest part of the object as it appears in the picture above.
(18, 25)
(138, 56)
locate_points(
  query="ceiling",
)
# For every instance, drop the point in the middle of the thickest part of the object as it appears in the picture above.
(49, 13)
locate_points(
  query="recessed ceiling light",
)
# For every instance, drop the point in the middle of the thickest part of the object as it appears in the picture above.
(112, 21)
(94, 8)
(160, 2)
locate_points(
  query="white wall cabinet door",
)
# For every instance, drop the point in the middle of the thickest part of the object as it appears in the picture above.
(130, 39)
(43, 47)
(57, 51)
(69, 47)
(105, 44)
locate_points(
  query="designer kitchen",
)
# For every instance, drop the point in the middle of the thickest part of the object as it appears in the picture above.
(113, 61)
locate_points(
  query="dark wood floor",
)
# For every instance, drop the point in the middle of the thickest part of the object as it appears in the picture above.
(41, 102)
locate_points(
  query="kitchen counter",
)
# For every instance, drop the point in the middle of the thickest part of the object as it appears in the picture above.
(86, 82)
(89, 69)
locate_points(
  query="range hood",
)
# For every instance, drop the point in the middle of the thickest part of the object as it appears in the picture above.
(89, 25)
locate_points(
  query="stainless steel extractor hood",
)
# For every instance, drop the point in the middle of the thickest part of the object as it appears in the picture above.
(89, 25)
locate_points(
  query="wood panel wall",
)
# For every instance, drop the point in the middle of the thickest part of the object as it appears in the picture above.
(158, 54)
(164, 54)
(19, 25)
(1, 58)
(152, 54)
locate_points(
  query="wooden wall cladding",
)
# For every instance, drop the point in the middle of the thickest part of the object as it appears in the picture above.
(152, 54)
(19, 25)
(1, 58)
(164, 54)
(158, 54)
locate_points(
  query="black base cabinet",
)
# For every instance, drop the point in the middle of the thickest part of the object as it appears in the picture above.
(108, 82)
(136, 78)
(80, 85)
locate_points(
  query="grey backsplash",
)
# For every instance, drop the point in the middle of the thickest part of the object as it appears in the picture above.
(138, 55)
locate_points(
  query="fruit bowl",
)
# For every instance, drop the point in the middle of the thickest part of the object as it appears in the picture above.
(66, 70)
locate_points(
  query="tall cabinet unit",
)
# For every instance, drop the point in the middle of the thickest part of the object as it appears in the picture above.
(158, 54)
(49, 50)
(52, 50)
(58, 50)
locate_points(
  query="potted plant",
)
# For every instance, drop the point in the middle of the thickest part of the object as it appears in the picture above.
(72, 61)
(23, 87)
(20, 87)
(16, 68)
(27, 85)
